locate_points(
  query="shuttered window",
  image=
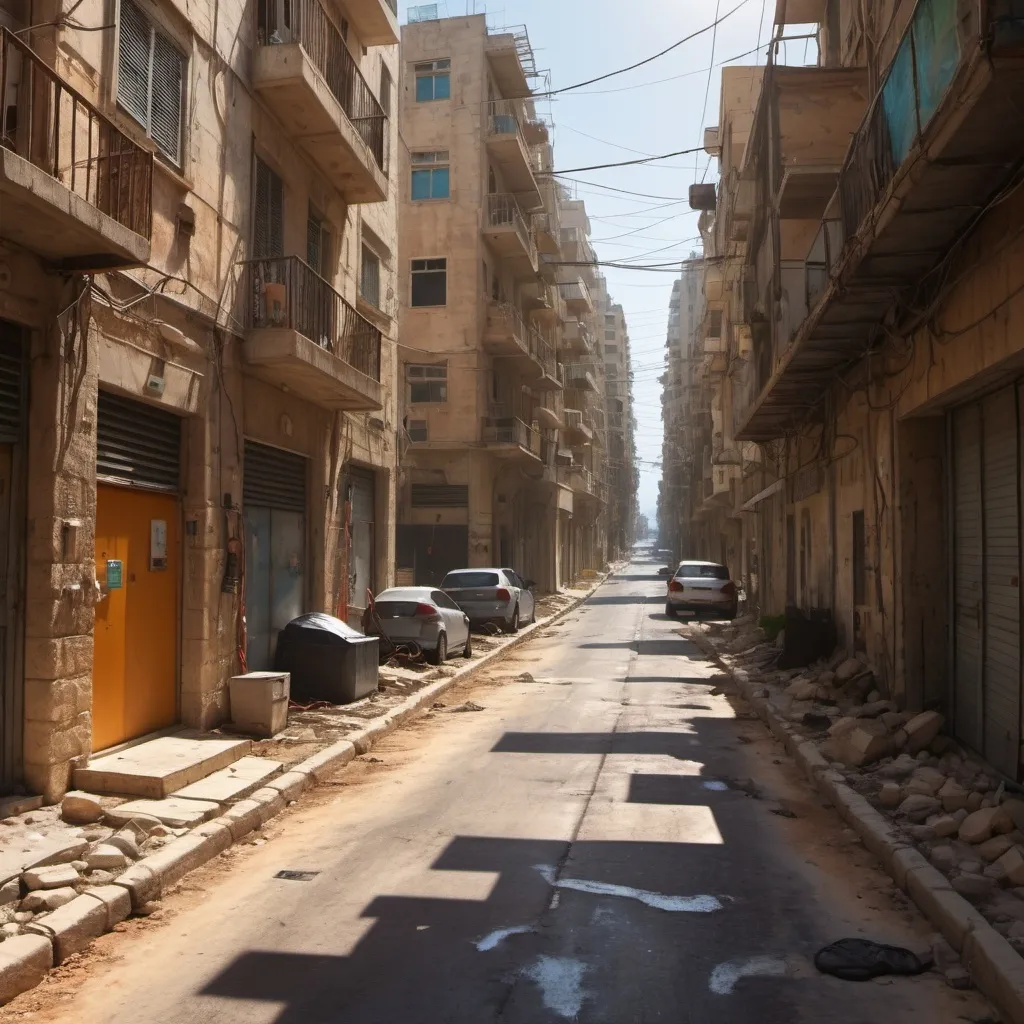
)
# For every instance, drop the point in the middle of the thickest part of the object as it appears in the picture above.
(137, 444)
(440, 496)
(273, 478)
(150, 79)
(12, 383)
(268, 212)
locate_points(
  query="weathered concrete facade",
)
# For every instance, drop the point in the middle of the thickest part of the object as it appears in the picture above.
(503, 450)
(874, 353)
(143, 300)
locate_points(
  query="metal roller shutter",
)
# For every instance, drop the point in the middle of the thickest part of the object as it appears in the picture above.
(12, 384)
(137, 445)
(1001, 715)
(274, 478)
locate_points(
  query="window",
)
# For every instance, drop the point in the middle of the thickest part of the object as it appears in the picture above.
(150, 79)
(318, 244)
(427, 382)
(715, 324)
(429, 282)
(859, 560)
(433, 80)
(417, 430)
(385, 89)
(430, 175)
(609, 335)
(463, 578)
(267, 212)
(369, 278)
(611, 350)
(609, 319)
(701, 571)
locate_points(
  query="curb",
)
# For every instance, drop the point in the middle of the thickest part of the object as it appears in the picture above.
(994, 965)
(26, 959)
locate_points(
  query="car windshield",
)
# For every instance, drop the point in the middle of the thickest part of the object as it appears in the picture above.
(459, 580)
(689, 571)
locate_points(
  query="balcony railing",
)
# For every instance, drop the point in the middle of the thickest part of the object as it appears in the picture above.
(510, 430)
(503, 211)
(54, 127)
(306, 22)
(287, 293)
(505, 117)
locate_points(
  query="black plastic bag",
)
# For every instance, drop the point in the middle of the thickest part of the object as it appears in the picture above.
(862, 960)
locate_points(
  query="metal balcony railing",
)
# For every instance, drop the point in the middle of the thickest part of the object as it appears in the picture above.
(54, 127)
(503, 211)
(505, 117)
(286, 292)
(510, 430)
(306, 22)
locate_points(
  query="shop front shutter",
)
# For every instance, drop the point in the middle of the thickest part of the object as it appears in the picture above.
(274, 478)
(967, 574)
(12, 384)
(137, 445)
(1001, 716)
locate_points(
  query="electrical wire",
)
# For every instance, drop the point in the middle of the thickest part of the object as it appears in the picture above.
(648, 60)
(707, 89)
(621, 163)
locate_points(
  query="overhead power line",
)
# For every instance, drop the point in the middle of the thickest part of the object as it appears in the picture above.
(648, 60)
(621, 163)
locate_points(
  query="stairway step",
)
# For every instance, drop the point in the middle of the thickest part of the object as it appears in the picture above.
(236, 781)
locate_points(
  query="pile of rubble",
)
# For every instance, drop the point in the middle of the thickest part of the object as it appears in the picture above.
(953, 807)
(54, 854)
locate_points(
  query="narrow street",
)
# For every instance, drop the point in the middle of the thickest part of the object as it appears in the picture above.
(601, 842)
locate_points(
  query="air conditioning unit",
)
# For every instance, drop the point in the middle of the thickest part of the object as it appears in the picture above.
(744, 341)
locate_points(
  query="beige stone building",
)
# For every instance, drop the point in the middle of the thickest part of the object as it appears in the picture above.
(500, 378)
(873, 351)
(197, 256)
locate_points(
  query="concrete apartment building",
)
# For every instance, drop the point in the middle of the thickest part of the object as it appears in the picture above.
(623, 479)
(502, 462)
(197, 348)
(871, 324)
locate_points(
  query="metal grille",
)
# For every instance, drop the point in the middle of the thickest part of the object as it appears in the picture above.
(137, 444)
(273, 478)
(440, 496)
(12, 384)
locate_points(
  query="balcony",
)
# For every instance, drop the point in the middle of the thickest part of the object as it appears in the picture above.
(511, 58)
(508, 148)
(576, 338)
(510, 437)
(581, 377)
(542, 303)
(304, 72)
(508, 336)
(302, 335)
(580, 480)
(577, 297)
(548, 232)
(578, 431)
(509, 235)
(73, 189)
(927, 159)
(375, 21)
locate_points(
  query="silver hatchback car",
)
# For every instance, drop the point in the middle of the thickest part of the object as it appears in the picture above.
(500, 596)
(705, 588)
(425, 617)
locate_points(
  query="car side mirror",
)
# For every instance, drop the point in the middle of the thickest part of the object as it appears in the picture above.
(529, 584)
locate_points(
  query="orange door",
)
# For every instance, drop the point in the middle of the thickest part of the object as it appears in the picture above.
(138, 564)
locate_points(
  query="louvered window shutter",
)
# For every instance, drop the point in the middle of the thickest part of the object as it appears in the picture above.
(268, 213)
(276, 216)
(150, 79)
(166, 110)
(133, 63)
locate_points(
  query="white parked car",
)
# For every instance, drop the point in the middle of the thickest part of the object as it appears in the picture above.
(705, 588)
(426, 617)
(500, 596)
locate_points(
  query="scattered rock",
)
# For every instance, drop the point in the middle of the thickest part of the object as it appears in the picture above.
(943, 857)
(900, 768)
(875, 708)
(992, 849)
(891, 720)
(126, 842)
(11, 929)
(847, 670)
(10, 892)
(899, 739)
(970, 866)
(922, 729)
(984, 823)
(920, 833)
(162, 830)
(973, 887)
(107, 858)
(944, 825)
(865, 743)
(931, 777)
(468, 706)
(1010, 866)
(942, 744)
(55, 877)
(953, 795)
(98, 877)
(802, 689)
(97, 834)
(841, 726)
(890, 795)
(1015, 809)
(919, 786)
(525, 677)
(47, 899)
(917, 807)
(80, 808)
(873, 697)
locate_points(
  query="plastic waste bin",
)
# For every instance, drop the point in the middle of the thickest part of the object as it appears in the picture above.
(327, 659)
(259, 703)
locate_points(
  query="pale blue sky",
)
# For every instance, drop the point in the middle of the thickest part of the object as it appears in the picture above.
(580, 39)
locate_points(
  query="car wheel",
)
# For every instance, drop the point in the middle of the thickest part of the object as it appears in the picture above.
(439, 655)
(513, 625)
(467, 651)
(670, 610)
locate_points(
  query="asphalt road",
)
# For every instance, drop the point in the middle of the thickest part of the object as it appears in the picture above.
(600, 843)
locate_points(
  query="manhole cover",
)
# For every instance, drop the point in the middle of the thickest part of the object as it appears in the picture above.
(297, 876)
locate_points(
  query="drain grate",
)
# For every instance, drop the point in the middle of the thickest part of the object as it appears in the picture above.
(297, 876)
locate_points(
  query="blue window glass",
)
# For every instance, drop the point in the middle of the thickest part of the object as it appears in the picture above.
(439, 183)
(424, 89)
(421, 184)
(442, 87)
(433, 80)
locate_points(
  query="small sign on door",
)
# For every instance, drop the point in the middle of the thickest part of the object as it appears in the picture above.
(157, 545)
(115, 574)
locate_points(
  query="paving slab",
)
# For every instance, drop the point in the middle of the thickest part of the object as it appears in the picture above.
(235, 782)
(174, 812)
(38, 851)
(159, 767)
